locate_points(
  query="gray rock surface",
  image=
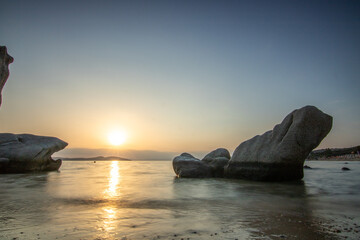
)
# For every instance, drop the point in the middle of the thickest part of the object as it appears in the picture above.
(212, 165)
(5, 60)
(25, 152)
(220, 152)
(188, 166)
(217, 160)
(279, 154)
(217, 165)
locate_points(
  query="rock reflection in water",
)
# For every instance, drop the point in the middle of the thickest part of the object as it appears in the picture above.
(256, 210)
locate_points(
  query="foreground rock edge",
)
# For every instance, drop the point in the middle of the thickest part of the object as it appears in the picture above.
(25, 152)
(5, 60)
(20, 153)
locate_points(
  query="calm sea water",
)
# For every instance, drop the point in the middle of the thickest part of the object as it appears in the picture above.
(143, 200)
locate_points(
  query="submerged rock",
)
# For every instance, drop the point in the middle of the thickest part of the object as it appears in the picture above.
(279, 154)
(188, 166)
(5, 60)
(25, 152)
(217, 160)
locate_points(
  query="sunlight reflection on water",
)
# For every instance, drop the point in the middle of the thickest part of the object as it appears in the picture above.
(143, 200)
(114, 179)
(112, 192)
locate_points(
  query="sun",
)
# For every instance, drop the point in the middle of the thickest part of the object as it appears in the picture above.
(116, 138)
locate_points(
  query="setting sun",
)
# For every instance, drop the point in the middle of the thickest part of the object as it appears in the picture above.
(116, 138)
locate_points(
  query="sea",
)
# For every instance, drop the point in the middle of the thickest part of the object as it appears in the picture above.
(144, 200)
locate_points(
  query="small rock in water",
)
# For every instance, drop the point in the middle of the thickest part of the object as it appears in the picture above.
(306, 166)
(188, 166)
(345, 169)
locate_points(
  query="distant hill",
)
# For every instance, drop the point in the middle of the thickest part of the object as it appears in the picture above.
(98, 158)
(124, 153)
(333, 152)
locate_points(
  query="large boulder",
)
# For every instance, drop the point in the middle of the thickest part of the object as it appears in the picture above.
(279, 155)
(25, 152)
(217, 160)
(188, 166)
(5, 60)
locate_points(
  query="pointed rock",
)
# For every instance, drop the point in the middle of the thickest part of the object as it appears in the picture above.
(279, 154)
(5, 60)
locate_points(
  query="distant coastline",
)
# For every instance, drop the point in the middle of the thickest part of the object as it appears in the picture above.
(336, 154)
(98, 158)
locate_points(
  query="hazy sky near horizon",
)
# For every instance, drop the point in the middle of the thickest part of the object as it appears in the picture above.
(178, 75)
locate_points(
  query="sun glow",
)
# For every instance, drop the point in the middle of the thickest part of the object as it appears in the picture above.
(116, 138)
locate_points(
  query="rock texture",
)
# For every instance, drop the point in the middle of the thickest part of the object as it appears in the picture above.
(5, 60)
(220, 152)
(188, 166)
(217, 160)
(25, 152)
(279, 154)
(212, 165)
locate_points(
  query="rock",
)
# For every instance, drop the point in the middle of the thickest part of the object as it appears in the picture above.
(188, 166)
(279, 154)
(217, 160)
(220, 152)
(345, 169)
(25, 152)
(5, 60)
(212, 165)
(217, 165)
(306, 166)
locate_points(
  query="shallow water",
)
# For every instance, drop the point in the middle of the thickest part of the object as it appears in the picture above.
(143, 200)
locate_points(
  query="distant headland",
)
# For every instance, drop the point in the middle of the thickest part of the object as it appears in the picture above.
(98, 158)
(351, 153)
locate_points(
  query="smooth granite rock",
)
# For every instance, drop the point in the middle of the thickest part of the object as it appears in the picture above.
(217, 160)
(188, 166)
(25, 152)
(220, 152)
(217, 165)
(279, 154)
(5, 60)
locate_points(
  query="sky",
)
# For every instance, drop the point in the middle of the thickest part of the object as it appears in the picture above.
(178, 76)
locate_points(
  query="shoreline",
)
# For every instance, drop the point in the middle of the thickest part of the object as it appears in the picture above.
(339, 159)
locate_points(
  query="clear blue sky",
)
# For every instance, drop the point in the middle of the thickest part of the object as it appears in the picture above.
(179, 75)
